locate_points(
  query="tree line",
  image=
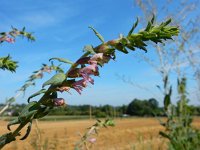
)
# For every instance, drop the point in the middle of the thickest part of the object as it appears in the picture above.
(137, 107)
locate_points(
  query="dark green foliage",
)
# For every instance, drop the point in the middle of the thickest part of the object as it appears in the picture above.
(154, 33)
(6, 63)
(143, 107)
(97, 111)
(153, 103)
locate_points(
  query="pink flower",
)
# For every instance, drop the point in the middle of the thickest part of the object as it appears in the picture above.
(78, 88)
(95, 58)
(81, 82)
(85, 74)
(100, 58)
(92, 140)
(90, 69)
(78, 85)
(74, 73)
(9, 40)
(105, 59)
(59, 102)
(87, 78)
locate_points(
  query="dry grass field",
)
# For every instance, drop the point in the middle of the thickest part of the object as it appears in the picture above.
(134, 133)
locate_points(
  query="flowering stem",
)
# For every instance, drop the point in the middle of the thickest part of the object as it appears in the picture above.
(76, 64)
(152, 33)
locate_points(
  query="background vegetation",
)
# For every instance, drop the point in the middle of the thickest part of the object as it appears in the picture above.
(137, 107)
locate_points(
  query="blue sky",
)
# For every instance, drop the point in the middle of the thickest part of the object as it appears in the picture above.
(61, 30)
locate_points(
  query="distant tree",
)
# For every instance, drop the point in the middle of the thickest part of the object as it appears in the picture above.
(153, 103)
(135, 107)
(108, 109)
(123, 109)
(143, 107)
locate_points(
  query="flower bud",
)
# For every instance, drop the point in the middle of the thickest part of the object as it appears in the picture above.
(83, 60)
(59, 102)
(113, 42)
(74, 73)
(102, 48)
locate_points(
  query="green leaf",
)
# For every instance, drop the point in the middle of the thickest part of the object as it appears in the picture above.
(36, 94)
(55, 80)
(133, 27)
(121, 48)
(167, 99)
(97, 34)
(165, 81)
(130, 47)
(89, 48)
(27, 131)
(62, 60)
(166, 22)
(149, 25)
(153, 19)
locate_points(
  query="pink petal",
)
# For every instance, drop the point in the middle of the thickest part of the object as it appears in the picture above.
(9, 40)
(96, 57)
(78, 89)
(90, 69)
(92, 140)
(81, 82)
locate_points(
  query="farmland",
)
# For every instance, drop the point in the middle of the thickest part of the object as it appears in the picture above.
(132, 133)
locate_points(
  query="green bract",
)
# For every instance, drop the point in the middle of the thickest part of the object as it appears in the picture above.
(55, 80)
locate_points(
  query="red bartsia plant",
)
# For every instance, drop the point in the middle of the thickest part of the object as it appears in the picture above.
(82, 71)
(6, 63)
